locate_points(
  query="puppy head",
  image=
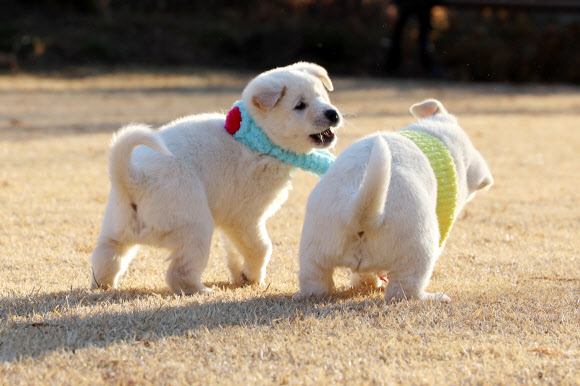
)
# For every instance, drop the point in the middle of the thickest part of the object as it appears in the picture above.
(478, 175)
(291, 105)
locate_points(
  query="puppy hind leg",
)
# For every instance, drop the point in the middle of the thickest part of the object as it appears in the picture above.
(314, 279)
(317, 264)
(398, 290)
(407, 285)
(109, 261)
(189, 260)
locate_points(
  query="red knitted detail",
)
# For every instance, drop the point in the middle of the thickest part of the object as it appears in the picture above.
(233, 120)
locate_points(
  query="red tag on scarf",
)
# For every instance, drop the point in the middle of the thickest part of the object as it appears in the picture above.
(233, 120)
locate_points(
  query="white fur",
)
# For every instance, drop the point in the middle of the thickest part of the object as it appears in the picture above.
(374, 210)
(193, 176)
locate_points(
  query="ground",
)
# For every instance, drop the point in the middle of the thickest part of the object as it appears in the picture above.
(511, 264)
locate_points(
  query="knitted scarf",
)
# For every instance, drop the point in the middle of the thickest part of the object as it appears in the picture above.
(444, 169)
(243, 128)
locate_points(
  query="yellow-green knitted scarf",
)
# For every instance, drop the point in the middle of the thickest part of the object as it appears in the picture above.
(444, 169)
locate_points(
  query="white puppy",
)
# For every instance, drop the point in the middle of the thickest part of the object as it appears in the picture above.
(200, 175)
(376, 210)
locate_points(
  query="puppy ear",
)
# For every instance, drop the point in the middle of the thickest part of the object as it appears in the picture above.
(267, 97)
(486, 183)
(478, 174)
(427, 108)
(315, 70)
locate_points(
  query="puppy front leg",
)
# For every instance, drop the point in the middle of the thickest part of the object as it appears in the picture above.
(253, 242)
(235, 262)
(190, 259)
(109, 261)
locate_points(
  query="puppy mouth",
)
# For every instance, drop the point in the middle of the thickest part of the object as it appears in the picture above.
(324, 138)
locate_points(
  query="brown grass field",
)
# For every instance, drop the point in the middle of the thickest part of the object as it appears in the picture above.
(511, 265)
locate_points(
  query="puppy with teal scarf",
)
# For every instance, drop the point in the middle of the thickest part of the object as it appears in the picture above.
(210, 171)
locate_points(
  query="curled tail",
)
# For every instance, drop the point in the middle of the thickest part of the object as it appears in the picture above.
(369, 203)
(122, 145)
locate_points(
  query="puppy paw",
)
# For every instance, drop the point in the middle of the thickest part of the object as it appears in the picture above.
(95, 284)
(199, 289)
(204, 290)
(436, 297)
(180, 285)
(310, 293)
(244, 279)
(239, 281)
(301, 295)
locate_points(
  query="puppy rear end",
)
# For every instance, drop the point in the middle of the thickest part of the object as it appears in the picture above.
(357, 210)
(111, 258)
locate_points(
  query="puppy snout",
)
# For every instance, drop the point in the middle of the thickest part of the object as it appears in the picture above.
(332, 116)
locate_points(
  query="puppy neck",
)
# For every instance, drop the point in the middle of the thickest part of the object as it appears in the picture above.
(244, 129)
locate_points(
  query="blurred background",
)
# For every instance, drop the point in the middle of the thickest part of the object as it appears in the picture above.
(498, 41)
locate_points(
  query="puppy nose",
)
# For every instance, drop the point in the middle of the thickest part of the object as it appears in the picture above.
(332, 116)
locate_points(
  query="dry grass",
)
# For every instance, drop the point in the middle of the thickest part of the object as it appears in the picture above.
(511, 264)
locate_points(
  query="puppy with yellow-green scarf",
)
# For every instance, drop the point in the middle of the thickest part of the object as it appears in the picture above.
(385, 207)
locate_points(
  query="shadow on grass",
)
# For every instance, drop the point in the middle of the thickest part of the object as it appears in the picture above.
(81, 318)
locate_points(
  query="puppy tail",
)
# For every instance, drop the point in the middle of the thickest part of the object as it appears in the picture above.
(369, 203)
(122, 145)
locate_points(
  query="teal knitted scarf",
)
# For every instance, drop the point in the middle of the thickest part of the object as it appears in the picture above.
(243, 128)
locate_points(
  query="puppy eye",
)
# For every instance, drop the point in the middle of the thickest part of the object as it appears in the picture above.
(300, 106)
